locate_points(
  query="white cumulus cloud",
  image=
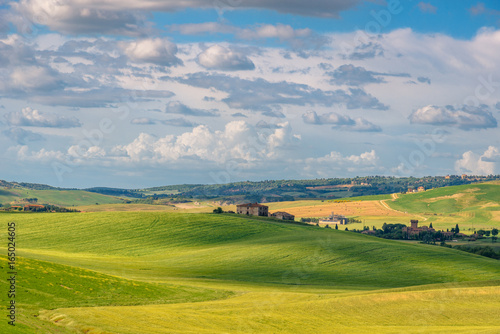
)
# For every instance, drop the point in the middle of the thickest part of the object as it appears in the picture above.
(466, 117)
(220, 58)
(157, 51)
(237, 142)
(479, 164)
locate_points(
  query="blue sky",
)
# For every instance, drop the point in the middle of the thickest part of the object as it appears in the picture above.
(143, 93)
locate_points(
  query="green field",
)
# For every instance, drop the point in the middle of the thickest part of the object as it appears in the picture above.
(64, 198)
(473, 206)
(162, 272)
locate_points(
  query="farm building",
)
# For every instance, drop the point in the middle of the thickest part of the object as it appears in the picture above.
(335, 219)
(283, 215)
(33, 207)
(252, 209)
(414, 229)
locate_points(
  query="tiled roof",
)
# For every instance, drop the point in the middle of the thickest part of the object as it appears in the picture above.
(252, 205)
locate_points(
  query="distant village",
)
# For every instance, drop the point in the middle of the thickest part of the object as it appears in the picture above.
(401, 231)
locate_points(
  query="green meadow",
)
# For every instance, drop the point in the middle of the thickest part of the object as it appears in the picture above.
(168, 272)
(56, 197)
(472, 206)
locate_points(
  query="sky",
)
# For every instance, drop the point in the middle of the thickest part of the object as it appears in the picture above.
(141, 93)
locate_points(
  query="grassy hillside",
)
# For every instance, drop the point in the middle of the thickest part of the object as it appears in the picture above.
(284, 278)
(234, 248)
(445, 310)
(56, 197)
(470, 206)
(45, 285)
(451, 199)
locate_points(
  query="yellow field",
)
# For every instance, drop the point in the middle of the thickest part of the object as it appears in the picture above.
(350, 209)
(450, 309)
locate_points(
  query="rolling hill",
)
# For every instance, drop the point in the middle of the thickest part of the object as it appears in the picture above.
(471, 206)
(288, 190)
(266, 276)
(59, 197)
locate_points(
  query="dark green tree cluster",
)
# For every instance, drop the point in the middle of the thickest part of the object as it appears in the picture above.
(479, 250)
(309, 220)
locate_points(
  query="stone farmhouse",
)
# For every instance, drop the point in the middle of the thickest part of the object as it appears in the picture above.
(256, 209)
(282, 215)
(252, 209)
(335, 219)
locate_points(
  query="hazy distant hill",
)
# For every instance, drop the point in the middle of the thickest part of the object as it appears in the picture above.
(13, 192)
(236, 192)
(288, 190)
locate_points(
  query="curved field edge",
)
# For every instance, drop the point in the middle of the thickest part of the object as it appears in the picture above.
(44, 285)
(440, 310)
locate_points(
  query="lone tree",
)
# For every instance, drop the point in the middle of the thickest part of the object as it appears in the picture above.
(218, 210)
(336, 226)
(494, 233)
(457, 230)
(430, 225)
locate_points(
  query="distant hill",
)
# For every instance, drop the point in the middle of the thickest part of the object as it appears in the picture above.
(289, 190)
(451, 199)
(465, 205)
(32, 186)
(237, 192)
(11, 193)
